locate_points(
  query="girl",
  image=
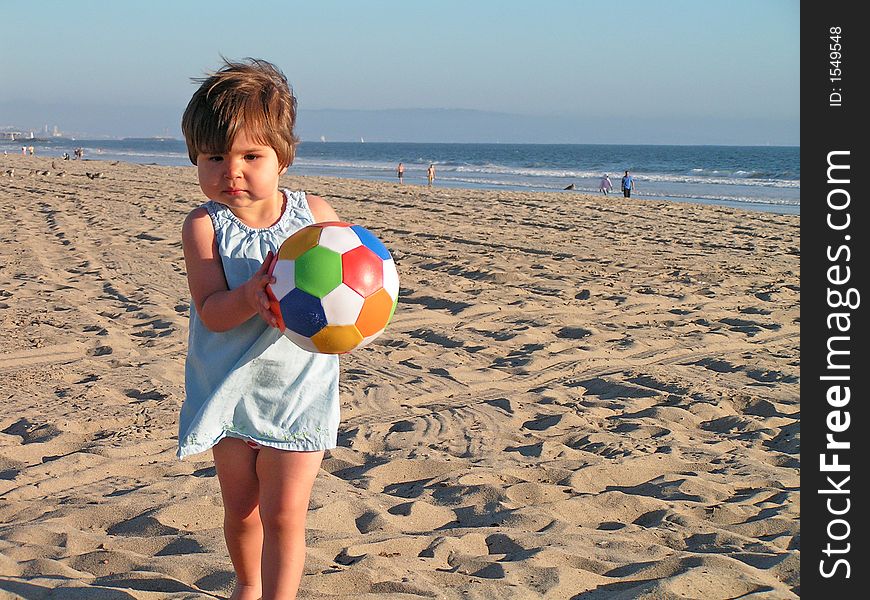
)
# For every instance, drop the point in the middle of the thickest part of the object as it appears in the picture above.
(265, 408)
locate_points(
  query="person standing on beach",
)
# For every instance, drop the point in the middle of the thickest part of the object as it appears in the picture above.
(605, 184)
(400, 172)
(265, 408)
(627, 185)
(430, 174)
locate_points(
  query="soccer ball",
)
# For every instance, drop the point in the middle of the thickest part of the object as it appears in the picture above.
(336, 287)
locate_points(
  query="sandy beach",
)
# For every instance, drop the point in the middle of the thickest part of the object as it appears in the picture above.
(579, 397)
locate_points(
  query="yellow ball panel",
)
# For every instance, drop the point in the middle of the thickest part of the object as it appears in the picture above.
(295, 245)
(337, 339)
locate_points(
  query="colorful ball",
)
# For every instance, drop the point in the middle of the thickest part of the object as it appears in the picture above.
(336, 287)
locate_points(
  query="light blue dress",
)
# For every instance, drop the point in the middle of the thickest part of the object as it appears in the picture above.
(252, 382)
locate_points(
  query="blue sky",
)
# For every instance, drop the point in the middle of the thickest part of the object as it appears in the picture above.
(601, 70)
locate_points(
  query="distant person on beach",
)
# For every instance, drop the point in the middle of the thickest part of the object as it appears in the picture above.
(627, 185)
(430, 174)
(23, 150)
(31, 150)
(400, 173)
(605, 184)
(265, 408)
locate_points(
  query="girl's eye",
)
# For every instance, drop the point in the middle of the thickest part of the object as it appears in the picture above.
(251, 157)
(215, 158)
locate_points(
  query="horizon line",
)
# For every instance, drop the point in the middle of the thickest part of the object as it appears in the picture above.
(86, 138)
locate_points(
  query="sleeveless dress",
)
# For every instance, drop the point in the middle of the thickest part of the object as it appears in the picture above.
(251, 382)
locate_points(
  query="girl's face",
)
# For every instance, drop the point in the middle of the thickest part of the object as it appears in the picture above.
(243, 177)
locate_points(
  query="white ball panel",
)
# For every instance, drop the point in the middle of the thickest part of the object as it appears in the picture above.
(391, 278)
(367, 340)
(342, 306)
(285, 278)
(300, 340)
(339, 239)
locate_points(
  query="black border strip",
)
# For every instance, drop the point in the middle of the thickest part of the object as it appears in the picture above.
(834, 302)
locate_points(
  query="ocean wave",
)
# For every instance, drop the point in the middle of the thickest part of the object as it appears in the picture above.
(748, 181)
(98, 152)
(516, 173)
(646, 194)
(348, 164)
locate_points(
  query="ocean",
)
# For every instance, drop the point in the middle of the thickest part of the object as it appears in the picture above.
(763, 178)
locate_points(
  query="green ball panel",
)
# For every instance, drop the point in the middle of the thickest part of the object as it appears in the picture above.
(318, 271)
(393, 310)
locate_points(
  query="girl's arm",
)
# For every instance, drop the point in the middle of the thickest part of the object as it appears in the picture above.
(219, 308)
(320, 209)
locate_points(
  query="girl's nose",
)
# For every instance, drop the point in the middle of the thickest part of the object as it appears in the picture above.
(233, 168)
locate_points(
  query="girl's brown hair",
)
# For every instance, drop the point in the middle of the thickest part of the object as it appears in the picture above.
(254, 95)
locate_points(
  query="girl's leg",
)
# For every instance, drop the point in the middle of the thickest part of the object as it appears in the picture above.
(286, 479)
(236, 465)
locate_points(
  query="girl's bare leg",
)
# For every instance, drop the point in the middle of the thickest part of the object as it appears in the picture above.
(286, 479)
(236, 465)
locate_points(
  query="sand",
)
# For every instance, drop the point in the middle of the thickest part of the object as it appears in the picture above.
(579, 398)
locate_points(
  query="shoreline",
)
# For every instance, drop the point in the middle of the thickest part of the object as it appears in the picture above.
(776, 198)
(599, 398)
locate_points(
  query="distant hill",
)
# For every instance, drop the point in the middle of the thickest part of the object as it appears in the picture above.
(470, 126)
(421, 125)
(428, 125)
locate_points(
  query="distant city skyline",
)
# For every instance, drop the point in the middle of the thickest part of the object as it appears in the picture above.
(621, 71)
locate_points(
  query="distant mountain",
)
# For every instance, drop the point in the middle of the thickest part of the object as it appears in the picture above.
(152, 138)
(470, 126)
(420, 125)
(428, 125)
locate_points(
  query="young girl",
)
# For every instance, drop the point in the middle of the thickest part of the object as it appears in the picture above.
(266, 408)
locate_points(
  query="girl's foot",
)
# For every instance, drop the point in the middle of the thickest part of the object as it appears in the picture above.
(246, 592)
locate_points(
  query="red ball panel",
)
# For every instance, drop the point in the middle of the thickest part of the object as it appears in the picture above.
(275, 307)
(362, 271)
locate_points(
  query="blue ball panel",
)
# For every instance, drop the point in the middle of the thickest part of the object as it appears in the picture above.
(371, 242)
(302, 312)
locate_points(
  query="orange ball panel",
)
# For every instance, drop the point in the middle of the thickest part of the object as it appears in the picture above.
(375, 313)
(337, 339)
(299, 242)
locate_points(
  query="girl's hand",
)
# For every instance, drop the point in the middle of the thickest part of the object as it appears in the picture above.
(255, 290)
